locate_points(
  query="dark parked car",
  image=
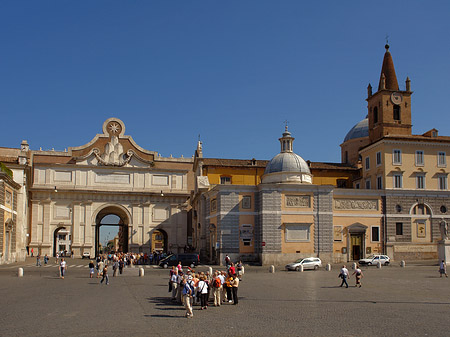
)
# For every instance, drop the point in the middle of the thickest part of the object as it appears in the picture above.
(187, 259)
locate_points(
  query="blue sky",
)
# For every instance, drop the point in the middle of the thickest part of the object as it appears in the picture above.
(231, 71)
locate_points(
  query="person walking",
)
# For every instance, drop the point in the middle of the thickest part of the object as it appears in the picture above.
(188, 291)
(240, 270)
(227, 261)
(229, 286)
(100, 267)
(115, 267)
(223, 296)
(46, 259)
(217, 289)
(344, 275)
(121, 264)
(91, 269)
(105, 275)
(62, 268)
(443, 268)
(358, 275)
(174, 283)
(234, 288)
(203, 292)
(57, 258)
(38, 260)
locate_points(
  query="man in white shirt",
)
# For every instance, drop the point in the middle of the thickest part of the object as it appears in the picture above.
(344, 275)
(62, 266)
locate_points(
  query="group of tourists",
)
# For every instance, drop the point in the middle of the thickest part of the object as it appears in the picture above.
(190, 288)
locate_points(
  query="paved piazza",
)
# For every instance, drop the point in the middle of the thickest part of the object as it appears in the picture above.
(411, 301)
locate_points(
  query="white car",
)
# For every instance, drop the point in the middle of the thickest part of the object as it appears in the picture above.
(307, 263)
(86, 255)
(372, 260)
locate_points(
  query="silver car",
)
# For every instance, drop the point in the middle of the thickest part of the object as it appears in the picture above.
(307, 263)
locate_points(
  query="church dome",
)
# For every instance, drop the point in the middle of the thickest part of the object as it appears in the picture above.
(287, 166)
(287, 162)
(360, 130)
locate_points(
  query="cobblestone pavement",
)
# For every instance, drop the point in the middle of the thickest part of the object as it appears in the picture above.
(393, 301)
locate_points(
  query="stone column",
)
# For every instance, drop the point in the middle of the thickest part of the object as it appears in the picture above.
(76, 244)
(46, 235)
(89, 225)
(76, 224)
(34, 223)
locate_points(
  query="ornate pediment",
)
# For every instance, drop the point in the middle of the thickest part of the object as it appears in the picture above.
(112, 148)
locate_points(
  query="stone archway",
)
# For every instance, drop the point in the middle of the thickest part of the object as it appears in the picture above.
(123, 224)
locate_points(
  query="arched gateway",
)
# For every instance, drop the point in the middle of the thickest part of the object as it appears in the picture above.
(72, 191)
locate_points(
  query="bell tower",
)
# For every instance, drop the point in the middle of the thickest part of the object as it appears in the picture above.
(389, 109)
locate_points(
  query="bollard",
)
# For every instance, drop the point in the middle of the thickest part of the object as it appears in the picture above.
(141, 272)
(402, 264)
(272, 269)
(378, 264)
(210, 271)
(20, 272)
(353, 265)
(300, 268)
(328, 267)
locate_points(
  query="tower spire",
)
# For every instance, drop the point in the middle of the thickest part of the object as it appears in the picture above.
(388, 70)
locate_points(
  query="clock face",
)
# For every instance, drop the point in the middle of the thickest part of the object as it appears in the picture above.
(396, 98)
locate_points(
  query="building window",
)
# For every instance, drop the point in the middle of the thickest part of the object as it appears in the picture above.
(367, 184)
(398, 181)
(441, 159)
(397, 112)
(398, 208)
(397, 157)
(419, 158)
(420, 181)
(225, 180)
(379, 182)
(378, 158)
(399, 228)
(375, 115)
(367, 163)
(246, 202)
(8, 198)
(296, 233)
(213, 205)
(357, 186)
(375, 233)
(443, 209)
(442, 182)
(341, 183)
(246, 234)
(421, 209)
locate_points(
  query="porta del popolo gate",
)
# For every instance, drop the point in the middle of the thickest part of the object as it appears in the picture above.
(72, 191)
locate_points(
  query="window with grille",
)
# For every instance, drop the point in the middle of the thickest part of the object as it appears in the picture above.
(397, 157)
(420, 181)
(398, 181)
(441, 159)
(419, 158)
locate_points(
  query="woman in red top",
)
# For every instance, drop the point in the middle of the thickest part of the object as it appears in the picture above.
(232, 269)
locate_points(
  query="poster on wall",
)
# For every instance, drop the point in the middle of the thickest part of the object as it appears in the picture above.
(421, 230)
(337, 235)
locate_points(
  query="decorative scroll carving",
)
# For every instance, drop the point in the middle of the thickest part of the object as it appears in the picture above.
(298, 201)
(355, 204)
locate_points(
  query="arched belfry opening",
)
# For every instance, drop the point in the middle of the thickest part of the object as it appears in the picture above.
(116, 216)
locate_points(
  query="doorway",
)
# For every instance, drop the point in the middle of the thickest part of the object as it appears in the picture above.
(356, 246)
(111, 230)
